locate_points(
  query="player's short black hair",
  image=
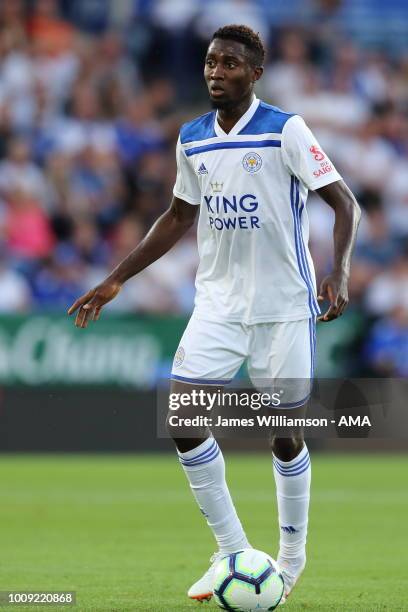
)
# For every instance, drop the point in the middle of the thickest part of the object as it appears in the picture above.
(246, 36)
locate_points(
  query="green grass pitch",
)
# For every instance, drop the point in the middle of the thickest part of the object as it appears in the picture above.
(124, 532)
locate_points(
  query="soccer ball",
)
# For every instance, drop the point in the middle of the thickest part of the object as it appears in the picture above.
(246, 581)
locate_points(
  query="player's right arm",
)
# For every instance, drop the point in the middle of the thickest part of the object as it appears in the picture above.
(164, 234)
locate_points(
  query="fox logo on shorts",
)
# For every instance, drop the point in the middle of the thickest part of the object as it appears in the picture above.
(179, 357)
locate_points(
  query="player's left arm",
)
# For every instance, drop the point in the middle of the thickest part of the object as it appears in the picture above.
(305, 159)
(334, 287)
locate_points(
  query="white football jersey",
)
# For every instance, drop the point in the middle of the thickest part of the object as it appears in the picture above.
(252, 185)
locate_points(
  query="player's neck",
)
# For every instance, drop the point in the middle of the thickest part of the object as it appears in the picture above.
(227, 118)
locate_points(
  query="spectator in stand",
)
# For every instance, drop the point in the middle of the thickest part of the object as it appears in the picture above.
(138, 132)
(27, 197)
(95, 186)
(17, 79)
(15, 292)
(85, 127)
(46, 27)
(113, 70)
(376, 246)
(389, 289)
(27, 229)
(58, 280)
(13, 19)
(386, 349)
(396, 198)
(18, 172)
(287, 76)
(55, 60)
(366, 157)
(146, 293)
(88, 244)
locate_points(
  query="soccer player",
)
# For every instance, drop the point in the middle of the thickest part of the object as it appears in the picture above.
(247, 168)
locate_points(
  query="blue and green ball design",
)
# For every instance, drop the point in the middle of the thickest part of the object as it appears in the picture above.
(246, 581)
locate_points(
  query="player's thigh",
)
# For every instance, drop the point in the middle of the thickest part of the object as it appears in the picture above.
(281, 357)
(210, 352)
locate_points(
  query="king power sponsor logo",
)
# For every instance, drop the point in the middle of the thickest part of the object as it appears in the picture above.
(235, 212)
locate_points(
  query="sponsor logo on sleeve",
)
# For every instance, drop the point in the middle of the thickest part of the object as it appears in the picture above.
(325, 168)
(317, 153)
(319, 156)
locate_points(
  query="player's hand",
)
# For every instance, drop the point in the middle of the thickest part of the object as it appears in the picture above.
(334, 289)
(89, 306)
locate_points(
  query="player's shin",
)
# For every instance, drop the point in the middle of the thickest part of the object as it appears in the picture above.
(293, 494)
(205, 470)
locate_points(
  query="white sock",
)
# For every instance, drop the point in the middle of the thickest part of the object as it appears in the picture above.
(293, 494)
(205, 469)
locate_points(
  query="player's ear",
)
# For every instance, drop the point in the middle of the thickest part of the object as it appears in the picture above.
(257, 72)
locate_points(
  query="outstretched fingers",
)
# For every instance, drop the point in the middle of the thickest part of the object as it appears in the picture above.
(82, 317)
(80, 302)
(97, 313)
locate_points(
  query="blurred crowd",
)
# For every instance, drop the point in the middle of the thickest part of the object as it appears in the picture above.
(92, 95)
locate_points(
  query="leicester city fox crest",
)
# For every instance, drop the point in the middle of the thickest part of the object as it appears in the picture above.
(252, 162)
(179, 357)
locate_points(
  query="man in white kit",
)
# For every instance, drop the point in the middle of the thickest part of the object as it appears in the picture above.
(247, 166)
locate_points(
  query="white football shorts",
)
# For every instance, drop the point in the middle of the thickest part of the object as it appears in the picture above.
(278, 354)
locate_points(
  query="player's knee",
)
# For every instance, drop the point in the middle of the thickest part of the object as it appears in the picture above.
(184, 440)
(288, 448)
(174, 426)
(181, 426)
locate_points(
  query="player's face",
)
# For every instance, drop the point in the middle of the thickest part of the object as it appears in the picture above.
(229, 73)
